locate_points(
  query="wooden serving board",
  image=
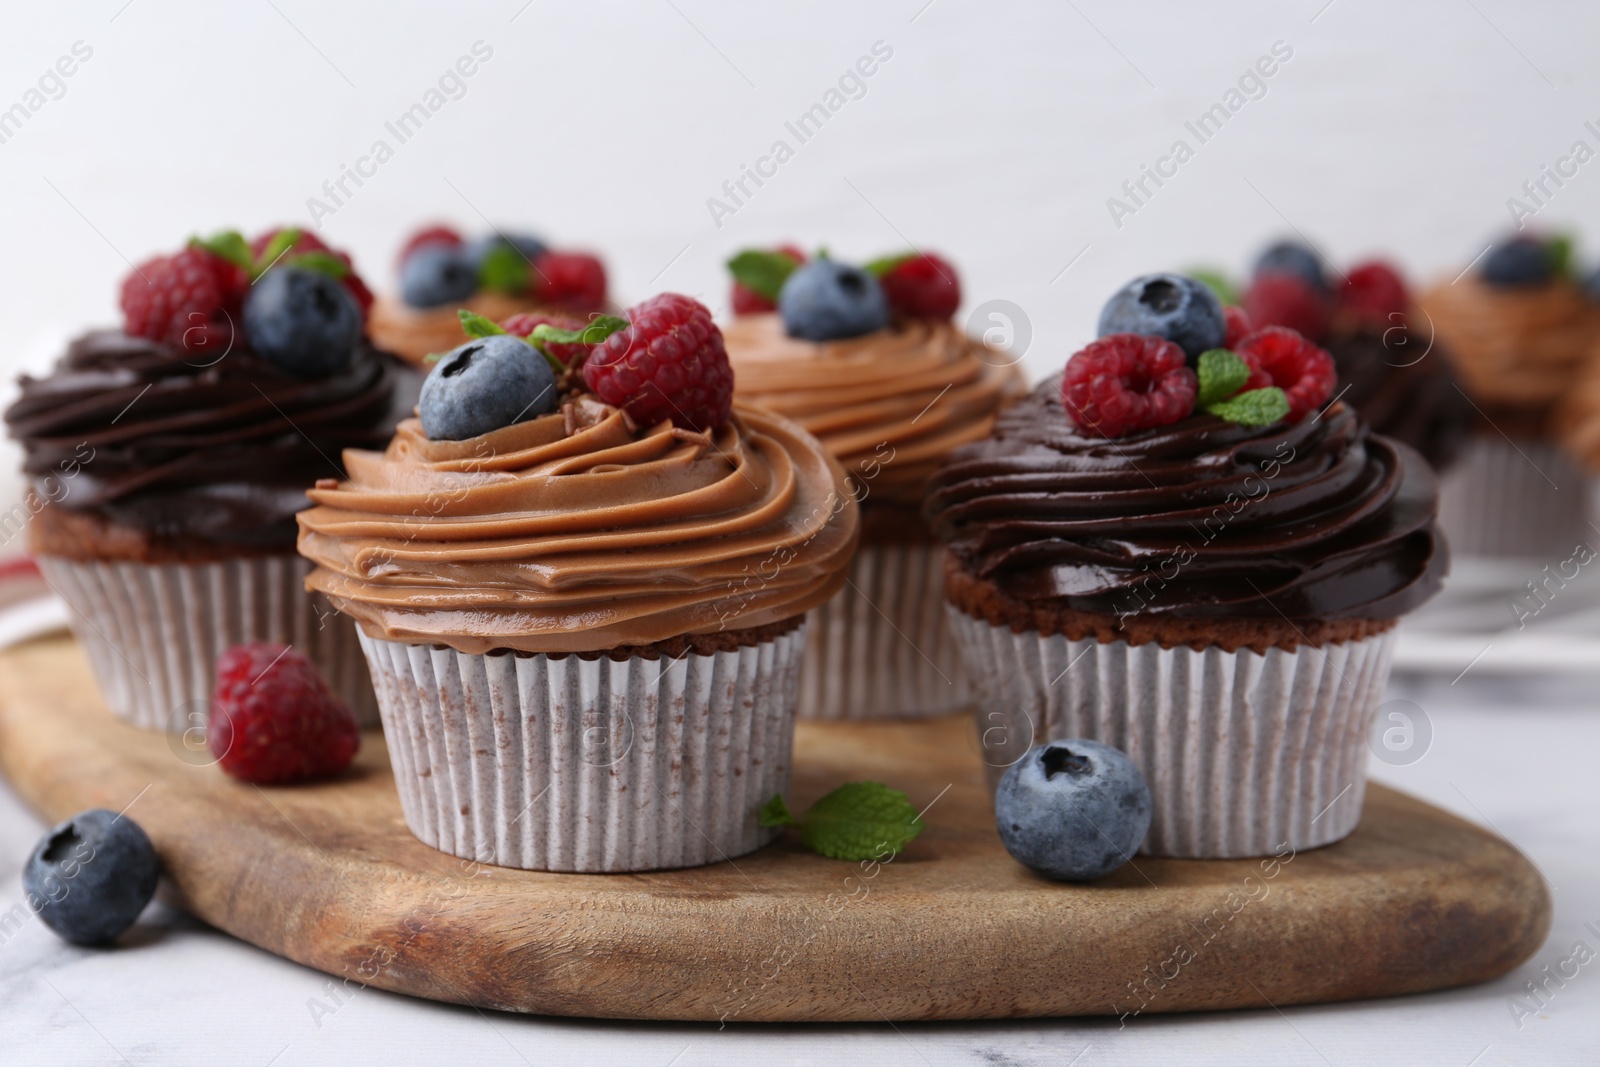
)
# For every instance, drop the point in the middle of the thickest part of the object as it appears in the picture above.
(327, 875)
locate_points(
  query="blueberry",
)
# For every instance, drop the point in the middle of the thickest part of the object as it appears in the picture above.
(435, 275)
(1072, 810)
(90, 877)
(478, 249)
(483, 385)
(307, 323)
(1173, 306)
(828, 301)
(1519, 261)
(1591, 285)
(1292, 257)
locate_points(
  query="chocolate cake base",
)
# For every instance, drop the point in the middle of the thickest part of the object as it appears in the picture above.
(86, 536)
(672, 648)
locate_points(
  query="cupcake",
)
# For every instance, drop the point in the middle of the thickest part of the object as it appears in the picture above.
(1191, 554)
(869, 361)
(1519, 330)
(581, 578)
(496, 276)
(167, 459)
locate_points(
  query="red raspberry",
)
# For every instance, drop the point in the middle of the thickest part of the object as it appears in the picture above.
(1277, 298)
(922, 287)
(1279, 356)
(746, 301)
(1374, 295)
(523, 324)
(571, 280)
(185, 300)
(430, 235)
(273, 718)
(310, 242)
(1128, 382)
(668, 364)
(1236, 326)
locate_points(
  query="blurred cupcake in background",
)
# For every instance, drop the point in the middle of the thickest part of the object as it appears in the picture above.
(495, 275)
(868, 360)
(1520, 330)
(168, 458)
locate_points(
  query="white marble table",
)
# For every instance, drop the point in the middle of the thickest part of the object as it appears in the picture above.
(1520, 755)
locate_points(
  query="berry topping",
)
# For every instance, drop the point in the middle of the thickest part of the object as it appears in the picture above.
(1073, 810)
(825, 300)
(91, 876)
(188, 300)
(266, 250)
(919, 286)
(1591, 285)
(1281, 357)
(575, 281)
(1292, 257)
(1374, 295)
(1520, 261)
(273, 718)
(758, 277)
(1277, 298)
(486, 384)
(1236, 325)
(431, 235)
(668, 363)
(1127, 382)
(1178, 308)
(523, 325)
(437, 274)
(525, 247)
(306, 323)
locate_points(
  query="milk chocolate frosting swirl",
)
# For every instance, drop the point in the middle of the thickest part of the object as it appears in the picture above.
(1201, 519)
(1403, 387)
(889, 405)
(1514, 346)
(538, 539)
(183, 446)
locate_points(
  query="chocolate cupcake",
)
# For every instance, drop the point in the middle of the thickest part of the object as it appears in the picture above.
(168, 459)
(581, 579)
(890, 386)
(1203, 570)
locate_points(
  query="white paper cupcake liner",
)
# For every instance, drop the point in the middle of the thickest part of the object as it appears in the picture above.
(1244, 753)
(572, 764)
(881, 648)
(153, 631)
(1524, 500)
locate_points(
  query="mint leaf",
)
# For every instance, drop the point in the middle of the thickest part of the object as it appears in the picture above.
(1217, 282)
(884, 264)
(1559, 249)
(861, 821)
(761, 272)
(1221, 375)
(231, 246)
(477, 326)
(504, 270)
(592, 334)
(776, 813)
(281, 242)
(320, 262)
(1258, 407)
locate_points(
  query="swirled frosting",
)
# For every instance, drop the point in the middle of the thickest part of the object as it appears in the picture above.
(577, 532)
(1201, 519)
(182, 447)
(1514, 346)
(1402, 386)
(889, 406)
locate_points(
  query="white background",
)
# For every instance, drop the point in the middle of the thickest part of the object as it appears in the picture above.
(994, 134)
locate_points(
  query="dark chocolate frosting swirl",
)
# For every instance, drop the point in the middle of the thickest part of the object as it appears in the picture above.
(182, 446)
(1404, 389)
(1200, 519)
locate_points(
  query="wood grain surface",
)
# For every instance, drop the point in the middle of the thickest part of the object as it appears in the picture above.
(328, 875)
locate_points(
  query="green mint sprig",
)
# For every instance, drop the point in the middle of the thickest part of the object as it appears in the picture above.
(505, 270)
(761, 272)
(231, 246)
(1222, 374)
(884, 264)
(857, 821)
(1218, 282)
(544, 335)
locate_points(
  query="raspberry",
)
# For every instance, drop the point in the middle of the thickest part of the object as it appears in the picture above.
(922, 287)
(1277, 298)
(273, 718)
(570, 280)
(186, 300)
(668, 364)
(1127, 382)
(1236, 326)
(746, 301)
(1374, 295)
(431, 235)
(523, 324)
(310, 242)
(1279, 356)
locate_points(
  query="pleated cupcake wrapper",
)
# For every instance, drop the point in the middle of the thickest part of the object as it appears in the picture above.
(1525, 500)
(881, 649)
(571, 764)
(1244, 753)
(153, 631)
